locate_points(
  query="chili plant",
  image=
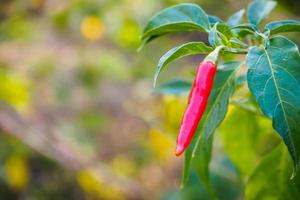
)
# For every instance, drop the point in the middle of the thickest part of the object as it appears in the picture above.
(271, 69)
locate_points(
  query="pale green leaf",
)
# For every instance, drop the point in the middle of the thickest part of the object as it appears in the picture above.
(244, 141)
(259, 10)
(271, 179)
(283, 26)
(214, 19)
(236, 18)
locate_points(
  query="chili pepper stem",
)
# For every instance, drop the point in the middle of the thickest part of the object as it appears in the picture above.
(213, 56)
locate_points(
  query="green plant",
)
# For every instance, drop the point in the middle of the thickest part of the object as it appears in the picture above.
(272, 66)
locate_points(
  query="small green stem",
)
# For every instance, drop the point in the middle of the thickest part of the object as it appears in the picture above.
(236, 51)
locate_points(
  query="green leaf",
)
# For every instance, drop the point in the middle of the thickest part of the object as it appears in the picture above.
(296, 180)
(259, 9)
(225, 30)
(213, 116)
(187, 164)
(191, 48)
(214, 19)
(214, 38)
(180, 18)
(174, 87)
(202, 160)
(236, 18)
(236, 43)
(271, 179)
(220, 34)
(283, 26)
(244, 141)
(245, 27)
(274, 79)
(241, 80)
(240, 139)
(225, 182)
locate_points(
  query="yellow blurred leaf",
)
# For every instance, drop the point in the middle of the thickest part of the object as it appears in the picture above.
(89, 181)
(92, 183)
(17, 172)
(174, 107)
(14, 90)
(92, 28)
(123, 166)
(161, 144)
(129, 33)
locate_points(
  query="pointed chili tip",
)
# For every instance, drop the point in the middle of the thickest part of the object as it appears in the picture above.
(179, 150)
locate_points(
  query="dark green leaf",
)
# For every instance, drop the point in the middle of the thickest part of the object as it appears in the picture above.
(187, 164)
(259, 9)
(283, 26)
(236, 18)
(180, 18)
(175, 87)
(202, 160)
(225, 182)
(274, 79)
(187, 49)
(271, 179)
(296, 180)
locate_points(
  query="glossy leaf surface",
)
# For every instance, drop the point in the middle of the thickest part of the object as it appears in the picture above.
(180, 18)
(274, 79)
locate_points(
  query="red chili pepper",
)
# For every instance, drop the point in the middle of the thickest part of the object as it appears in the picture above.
(197, 102)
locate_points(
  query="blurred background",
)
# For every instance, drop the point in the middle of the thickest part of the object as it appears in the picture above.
(78, 115)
